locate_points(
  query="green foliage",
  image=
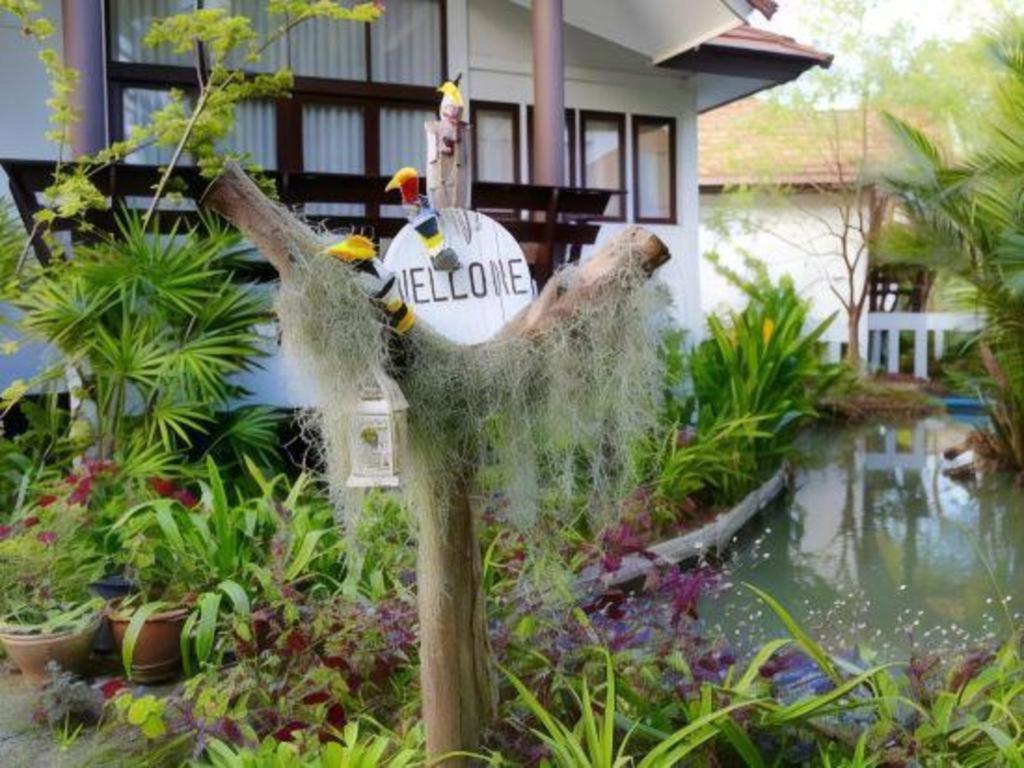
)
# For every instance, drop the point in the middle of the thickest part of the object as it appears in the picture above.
(158, 328)
(965, 218)
(753, 382)
(354, 750)
(243, 550)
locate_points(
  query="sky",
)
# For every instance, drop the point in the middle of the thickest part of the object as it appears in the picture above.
(951, 19)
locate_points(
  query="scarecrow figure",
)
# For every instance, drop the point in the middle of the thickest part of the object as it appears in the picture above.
(423, 217)
(448, 172)
(377, 282)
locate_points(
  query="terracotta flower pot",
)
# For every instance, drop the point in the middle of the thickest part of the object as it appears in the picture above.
(33, 653)
(157, 655)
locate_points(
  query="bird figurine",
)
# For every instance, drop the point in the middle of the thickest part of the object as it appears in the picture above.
(378, 283)
(424, 219)
(450, 113)
(448, 172)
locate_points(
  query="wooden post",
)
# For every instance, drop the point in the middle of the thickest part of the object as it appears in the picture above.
(455, 675)
(458, 697)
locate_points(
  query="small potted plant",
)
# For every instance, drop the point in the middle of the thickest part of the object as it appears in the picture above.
(147, 624)
(35, 638)
(46, 614)
(148, 637)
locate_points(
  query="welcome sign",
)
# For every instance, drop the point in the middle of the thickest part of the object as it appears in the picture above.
(471, 304)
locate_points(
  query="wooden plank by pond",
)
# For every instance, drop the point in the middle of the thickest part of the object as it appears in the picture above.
(716, 535)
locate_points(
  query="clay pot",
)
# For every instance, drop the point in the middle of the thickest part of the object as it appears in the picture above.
(157, 654)
(32, 653)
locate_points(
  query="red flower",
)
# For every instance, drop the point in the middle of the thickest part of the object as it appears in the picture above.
(5, 531)
(186, 498)
(162, 486)
(231, 731)
(112, 687)
(46, 537)
(336, 716)
(286, 731)
(47, 500)
(317, 697)
(29, 521)
(82, 491)
(297, 641)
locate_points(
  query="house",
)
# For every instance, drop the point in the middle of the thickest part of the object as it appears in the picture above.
(636, 75)
(795, 191)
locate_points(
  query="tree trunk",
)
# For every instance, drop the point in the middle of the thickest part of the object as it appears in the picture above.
(853, 356)
(455, 675)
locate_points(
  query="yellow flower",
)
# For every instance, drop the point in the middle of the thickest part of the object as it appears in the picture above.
(767, 329)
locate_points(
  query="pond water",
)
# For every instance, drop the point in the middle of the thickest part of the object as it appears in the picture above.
(875, 548)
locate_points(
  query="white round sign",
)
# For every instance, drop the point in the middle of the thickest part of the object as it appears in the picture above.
(472, 303)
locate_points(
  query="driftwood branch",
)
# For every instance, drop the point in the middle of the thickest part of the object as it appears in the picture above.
(620, 264)
(283, 238)
(279, 235)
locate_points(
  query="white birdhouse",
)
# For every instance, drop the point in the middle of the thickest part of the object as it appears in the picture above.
(377, 435)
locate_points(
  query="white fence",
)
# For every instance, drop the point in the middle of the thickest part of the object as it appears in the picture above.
(884, 329)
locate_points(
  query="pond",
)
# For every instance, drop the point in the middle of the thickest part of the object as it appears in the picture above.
(875, 548)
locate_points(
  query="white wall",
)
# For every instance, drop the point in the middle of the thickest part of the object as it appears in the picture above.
(24, 90)
(24, 118)
(792, 238)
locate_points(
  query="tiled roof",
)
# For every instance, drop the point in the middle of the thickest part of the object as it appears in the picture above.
(754, 142)
(751, 39)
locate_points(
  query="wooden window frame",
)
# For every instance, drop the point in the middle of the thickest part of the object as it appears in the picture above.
(370, 95)
(570, 124)
(588, 115)
(510, 109)
(656, 121)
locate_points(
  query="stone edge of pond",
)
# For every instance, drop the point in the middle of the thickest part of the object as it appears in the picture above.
(717, 534)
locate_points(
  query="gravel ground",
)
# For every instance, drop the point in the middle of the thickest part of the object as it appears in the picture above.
(26, 744)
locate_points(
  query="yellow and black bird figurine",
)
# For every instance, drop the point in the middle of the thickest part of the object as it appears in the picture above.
(360, 253)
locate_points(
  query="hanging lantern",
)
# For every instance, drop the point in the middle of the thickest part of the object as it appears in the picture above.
(377, 435)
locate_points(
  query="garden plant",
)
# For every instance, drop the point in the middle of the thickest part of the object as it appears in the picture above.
(302, 615)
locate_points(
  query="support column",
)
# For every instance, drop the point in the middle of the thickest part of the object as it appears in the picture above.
(921, 353)
(548, 121)
(548, 92)
(893, 361)
(874, 351)
(940, 343)
(84, 51)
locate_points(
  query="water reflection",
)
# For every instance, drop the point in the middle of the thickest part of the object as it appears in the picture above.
(875, 546)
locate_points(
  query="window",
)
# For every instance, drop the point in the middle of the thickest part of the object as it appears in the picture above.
(604, 157)
(255, 133)
(404, 43)
(365, 90)
(495, 135)
(569, 169)
(130, 21)
(654, 169)
(333, 138)
(405, 46)
(138, 105)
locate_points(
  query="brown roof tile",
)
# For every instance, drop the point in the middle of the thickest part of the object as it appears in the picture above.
(756, 142)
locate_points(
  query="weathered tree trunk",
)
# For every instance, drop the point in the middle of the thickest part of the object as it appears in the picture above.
(853, 356)
(455, 673)
(458, 698)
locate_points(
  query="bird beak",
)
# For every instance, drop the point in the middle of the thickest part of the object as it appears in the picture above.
(393, 184)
